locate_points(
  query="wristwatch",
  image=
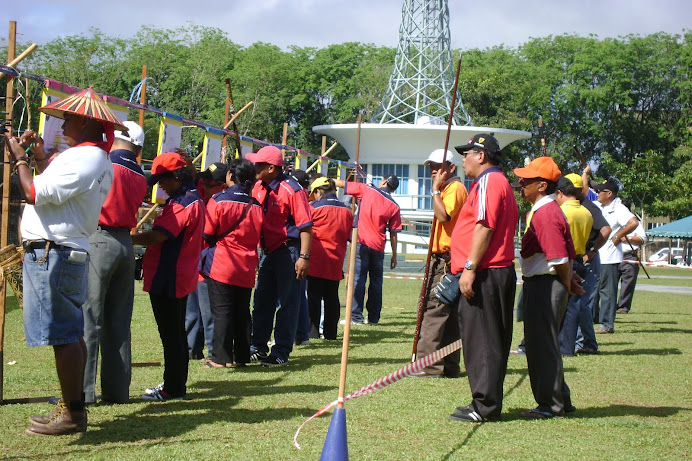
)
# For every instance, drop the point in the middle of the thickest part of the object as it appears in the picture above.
(434, 193)
(469, 266)
(305, 256)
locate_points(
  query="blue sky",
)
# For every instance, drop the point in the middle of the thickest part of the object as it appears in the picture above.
(474, 23)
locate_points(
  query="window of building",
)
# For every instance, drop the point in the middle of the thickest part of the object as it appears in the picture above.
(424, 188)
(381, 170)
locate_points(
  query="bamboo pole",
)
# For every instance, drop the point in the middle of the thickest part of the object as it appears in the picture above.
(146, 216)
(433, 227)
(9, 93)
(227, 110)
(235, 116)
(284, 140)
(26, 98)
(24, 54)
(325, 154)
(349, 293)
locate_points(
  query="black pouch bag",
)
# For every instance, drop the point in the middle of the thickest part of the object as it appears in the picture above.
(447, 289)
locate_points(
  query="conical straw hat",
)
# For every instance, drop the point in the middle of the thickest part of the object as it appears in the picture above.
(86, 103)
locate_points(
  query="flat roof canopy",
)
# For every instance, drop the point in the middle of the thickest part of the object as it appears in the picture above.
(406, 143)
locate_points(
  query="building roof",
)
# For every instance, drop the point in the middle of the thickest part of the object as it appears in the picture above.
(682, 228)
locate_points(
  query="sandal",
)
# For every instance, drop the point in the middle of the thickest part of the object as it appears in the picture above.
(211, 364)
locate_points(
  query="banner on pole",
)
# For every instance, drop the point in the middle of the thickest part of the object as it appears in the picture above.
(211, 149)
(170, 135)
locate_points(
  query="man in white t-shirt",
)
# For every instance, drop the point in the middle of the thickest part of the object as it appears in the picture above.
(64, 201)
(622, 222)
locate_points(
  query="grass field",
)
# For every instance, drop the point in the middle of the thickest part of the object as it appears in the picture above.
(634, 399)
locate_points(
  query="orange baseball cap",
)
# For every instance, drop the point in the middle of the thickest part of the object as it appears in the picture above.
(541, 167)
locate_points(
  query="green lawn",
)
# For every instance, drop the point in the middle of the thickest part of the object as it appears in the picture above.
(634, 399)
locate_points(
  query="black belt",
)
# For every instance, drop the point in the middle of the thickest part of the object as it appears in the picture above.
(113, 229)
(30, 245)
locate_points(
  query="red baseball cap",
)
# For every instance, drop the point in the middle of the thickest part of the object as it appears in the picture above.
(541, 167)
(165, 163)
(268, 154)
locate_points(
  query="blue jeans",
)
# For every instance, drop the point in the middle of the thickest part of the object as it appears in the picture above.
(277, 293)
(578, 312)
(199, 323)
(55, 287)
(586, 337)
(303, 330)
(368, 261)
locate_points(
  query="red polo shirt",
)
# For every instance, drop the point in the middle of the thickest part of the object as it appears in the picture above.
(233, 260)
(548, 233)
(492, 203)
(286, 210)
(127, 192)
(170, 268)
(332, 227)
(377, 212)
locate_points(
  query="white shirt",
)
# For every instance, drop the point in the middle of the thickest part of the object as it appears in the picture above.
(637, 232)
(69, 196)
(617, 216)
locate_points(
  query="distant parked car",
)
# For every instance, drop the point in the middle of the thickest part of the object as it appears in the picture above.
(661, 256)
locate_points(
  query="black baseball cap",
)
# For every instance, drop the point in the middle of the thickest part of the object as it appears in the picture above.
(480, 141)
(216, 171)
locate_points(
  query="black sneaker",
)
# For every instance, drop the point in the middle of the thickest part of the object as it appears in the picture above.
(273, 361)
(468, 414)
(257, 356)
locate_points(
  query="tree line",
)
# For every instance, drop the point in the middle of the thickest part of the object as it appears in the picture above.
(621, 104)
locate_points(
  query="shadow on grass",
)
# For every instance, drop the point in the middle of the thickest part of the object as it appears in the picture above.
(664, 351)
(626, 410)
(653, 322)
(207, 403)
(451, 454)
(663, 330)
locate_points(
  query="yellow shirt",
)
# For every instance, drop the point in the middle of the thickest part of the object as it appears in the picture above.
(580, 222)
(453, 195)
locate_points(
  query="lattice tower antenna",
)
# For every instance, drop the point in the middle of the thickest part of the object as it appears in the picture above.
(420, 88)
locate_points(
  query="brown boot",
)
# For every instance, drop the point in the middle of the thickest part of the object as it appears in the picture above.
(65, 421)
(45, 419)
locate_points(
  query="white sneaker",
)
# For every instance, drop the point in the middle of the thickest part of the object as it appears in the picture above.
(153, 390)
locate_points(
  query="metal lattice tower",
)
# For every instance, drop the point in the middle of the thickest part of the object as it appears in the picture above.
(420, 88)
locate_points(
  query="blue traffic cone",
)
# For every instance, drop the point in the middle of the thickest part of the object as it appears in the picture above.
(335, 446)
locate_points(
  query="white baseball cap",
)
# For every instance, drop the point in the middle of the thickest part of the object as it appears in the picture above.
(134, 133)
(437, 156)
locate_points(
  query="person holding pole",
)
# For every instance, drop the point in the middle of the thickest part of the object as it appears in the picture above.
(622, 222)
(170, 267)
(377, 212)
(286, 238)
(482, 251)
(440, 325)
(110, 296)
(332, 226)
(64, 201)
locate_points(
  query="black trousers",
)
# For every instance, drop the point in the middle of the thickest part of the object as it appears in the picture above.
(485, 323)
(170, 320)
(628, 280)
(328, 290)
(545, 299)
(230, 307)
